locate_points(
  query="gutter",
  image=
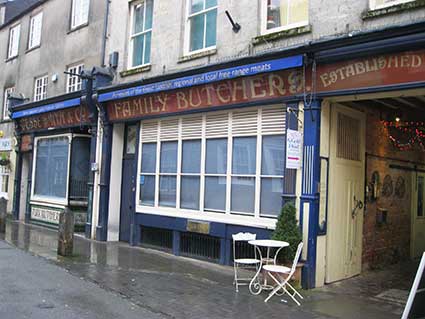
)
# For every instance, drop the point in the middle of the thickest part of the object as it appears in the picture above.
(105, 34)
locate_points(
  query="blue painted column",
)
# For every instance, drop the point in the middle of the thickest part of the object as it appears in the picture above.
(310, 189)
(135, 231)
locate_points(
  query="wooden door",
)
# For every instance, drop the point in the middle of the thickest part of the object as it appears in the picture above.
(346, 193)
(418, 215)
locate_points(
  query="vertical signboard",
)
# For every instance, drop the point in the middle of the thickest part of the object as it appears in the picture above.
(293, 149)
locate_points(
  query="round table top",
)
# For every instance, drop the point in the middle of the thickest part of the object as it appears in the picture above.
(268, 243)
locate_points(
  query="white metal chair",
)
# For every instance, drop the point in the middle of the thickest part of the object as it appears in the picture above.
(244, 263)
(283, 275)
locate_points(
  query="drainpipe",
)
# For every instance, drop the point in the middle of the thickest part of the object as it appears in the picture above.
(105, 173)
(86, 100)
(105, 33)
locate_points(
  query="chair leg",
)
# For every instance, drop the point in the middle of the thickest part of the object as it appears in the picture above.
(235, 266)
(295, 291)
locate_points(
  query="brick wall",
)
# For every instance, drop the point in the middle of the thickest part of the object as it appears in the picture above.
(387, 242)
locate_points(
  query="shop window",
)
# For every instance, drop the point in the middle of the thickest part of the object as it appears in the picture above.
(14, 36)
(80, 13)
(40, 88)
(80, 168)
(4, 181)
(378, 4)
(61, 168)
(51, 167)
(202, 24)
(6, 102)
(74, 82)
(281, 15)
(34, 39)
(141, 33)
(229, 163)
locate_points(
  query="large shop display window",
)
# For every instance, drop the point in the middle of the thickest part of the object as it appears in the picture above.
(217, 163)
(61, 167)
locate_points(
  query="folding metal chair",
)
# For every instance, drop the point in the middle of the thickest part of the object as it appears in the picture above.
(244, 263)
(283, 275)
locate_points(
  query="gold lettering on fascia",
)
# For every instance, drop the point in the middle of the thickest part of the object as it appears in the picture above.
(371, 65)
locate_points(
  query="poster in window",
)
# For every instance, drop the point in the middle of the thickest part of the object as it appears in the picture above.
(131, 139)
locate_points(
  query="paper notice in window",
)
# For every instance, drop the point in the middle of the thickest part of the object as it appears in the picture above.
(293, 149)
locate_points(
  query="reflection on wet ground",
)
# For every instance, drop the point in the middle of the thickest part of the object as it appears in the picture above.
(185, 288)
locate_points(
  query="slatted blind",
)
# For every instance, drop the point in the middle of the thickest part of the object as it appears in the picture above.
(242, 122)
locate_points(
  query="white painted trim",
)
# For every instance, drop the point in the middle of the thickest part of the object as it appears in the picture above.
(374, 6)
(47, 199)
(116, 182)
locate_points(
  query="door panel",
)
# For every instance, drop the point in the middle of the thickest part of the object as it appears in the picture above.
(418, 215)
(346, 194)
(128, 186)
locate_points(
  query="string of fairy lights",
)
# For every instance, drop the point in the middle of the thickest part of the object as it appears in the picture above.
(406, 135)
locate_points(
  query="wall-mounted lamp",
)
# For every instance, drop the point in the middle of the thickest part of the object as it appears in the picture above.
(235, 26)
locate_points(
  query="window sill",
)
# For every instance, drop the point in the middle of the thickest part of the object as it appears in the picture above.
(281, 34)
(81, 26)
(370, 14)
(32, 49)
(197, 55)
(137, 70)
(11, 58)
(4, 121)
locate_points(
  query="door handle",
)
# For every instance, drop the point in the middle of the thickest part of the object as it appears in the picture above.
(358, 204)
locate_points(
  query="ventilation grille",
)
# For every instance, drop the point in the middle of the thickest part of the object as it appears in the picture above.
(200, 246)
(157, 237)
(192, 127)
(348, 138)
(149, 131)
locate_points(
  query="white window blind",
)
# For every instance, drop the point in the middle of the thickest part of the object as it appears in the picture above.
(229, 162)
(35, 31)
(14, 36)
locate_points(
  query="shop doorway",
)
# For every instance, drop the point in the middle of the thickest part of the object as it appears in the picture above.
(346, 193)
(128, 185)
(418, 215)
(24, 186)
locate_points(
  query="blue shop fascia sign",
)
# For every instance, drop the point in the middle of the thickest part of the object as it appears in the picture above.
(178, 83)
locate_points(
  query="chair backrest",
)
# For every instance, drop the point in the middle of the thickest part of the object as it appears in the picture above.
(242, 237)
(297, 258)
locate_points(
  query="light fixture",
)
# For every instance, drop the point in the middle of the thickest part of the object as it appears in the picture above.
(235, 26)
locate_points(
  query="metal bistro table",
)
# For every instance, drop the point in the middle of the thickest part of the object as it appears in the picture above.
(256, 285)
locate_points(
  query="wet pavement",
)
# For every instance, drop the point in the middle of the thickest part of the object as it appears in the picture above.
(176, 287)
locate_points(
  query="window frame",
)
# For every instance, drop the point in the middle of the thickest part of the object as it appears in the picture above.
(240, 218)
(69, 77)
(50, 199)
(374, 6)
(31, 45)
(131, 36)
(265, 31)
(43, 96)
(6, 92)
(10, 52)
(188, 29)
(4, 172)
(73, 12)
